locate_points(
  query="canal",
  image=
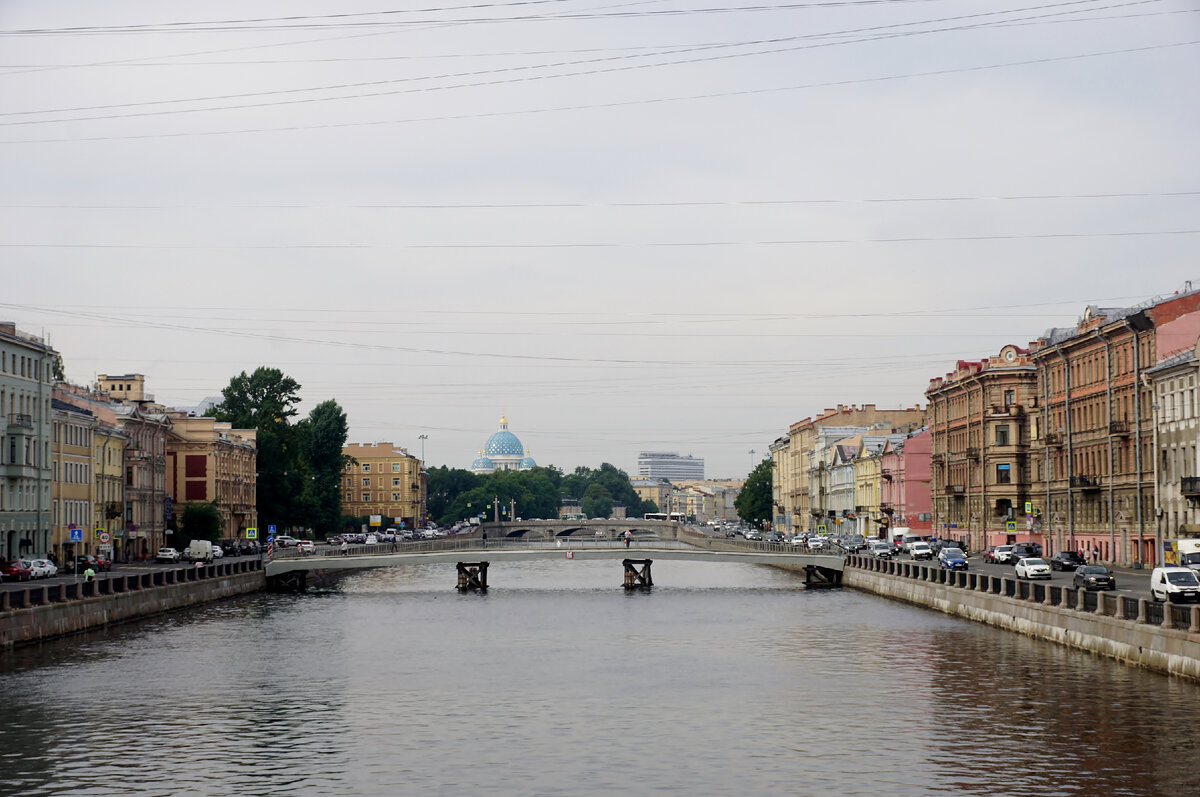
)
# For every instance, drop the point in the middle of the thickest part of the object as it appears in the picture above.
(723, 679)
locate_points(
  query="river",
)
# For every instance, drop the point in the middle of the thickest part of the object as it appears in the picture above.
(723, 679)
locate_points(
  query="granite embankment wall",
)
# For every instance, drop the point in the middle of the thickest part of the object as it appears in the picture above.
(36, 613)
(1160, 637)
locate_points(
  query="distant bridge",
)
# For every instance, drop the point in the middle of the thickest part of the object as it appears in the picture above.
(288, 569)
(606, 528)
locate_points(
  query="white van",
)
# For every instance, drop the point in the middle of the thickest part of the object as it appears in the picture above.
(1174, 584)
(200, 551)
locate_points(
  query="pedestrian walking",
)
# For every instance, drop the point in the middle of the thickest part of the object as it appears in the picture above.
(628, 537)
(1095, 554)
(345, 547)
(484, 538)
(89, 574)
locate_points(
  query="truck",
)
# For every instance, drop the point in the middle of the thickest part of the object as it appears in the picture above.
(200, 551)
(1182, 552)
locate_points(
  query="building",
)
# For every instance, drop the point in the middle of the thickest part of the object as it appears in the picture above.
(502, 451)
(72, 489)
(904, 484)
(781, 479)
(1093, 443)
(382, 479)
(210, 461)
(1176, 434)
(27, 367)
(981, 457)
(664, 465)
(652, 490)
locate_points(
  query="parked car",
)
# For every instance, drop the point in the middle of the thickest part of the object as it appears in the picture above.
(306, 546)
(1094, 577)
(16, 570)
(1003, 554)
(1174, 584)
(952, 559)
(167, 555)
(43, 568)
(1066, 560)
(217, 552)
(1032, 567)
(920, 550)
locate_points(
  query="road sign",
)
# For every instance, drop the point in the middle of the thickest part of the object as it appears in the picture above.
(1010, 525)
(1029, 507)
(821, 528)
(252, 533)
(104, 537)
(271, 530)
(76, 535)
(96, 533)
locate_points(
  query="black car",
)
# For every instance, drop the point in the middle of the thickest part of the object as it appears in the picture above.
(83, 562)
(1023, 550)
(1094, 577)
(1066, 560)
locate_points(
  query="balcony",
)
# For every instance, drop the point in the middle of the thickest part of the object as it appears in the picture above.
(1190, 486)
(954, 489)
(20, 420)
(1087, 484)
(1118, 428)
(1053, 439)
(972, 452)
(936, 459)
(887, 508)
(886, 474)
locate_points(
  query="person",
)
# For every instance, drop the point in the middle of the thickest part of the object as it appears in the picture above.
(89, 574)
(1095, 554)
(345, 547)
(484, 538)
(628, 537)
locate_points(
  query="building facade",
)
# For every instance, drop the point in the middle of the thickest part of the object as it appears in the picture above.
(652, 490)
(210, 461)
(981, 455)
(503, 451)
(383, 479)
(669, 465)
(72, 490)
(26, 383)
(146, 429)
(904, 485)
(1176, 436)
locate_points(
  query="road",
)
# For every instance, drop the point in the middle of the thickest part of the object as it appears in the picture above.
(1135, 583)
(117, 570)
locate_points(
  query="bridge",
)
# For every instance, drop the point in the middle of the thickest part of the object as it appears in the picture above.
(606, 528)
(288, 569)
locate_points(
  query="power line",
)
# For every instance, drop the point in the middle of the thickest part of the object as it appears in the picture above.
(603, 105)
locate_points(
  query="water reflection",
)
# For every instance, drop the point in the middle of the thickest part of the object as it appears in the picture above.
(722, 679)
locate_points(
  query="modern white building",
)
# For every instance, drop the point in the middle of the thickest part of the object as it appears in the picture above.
(669, 465)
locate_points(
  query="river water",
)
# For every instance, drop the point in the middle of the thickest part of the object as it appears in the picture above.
(723, 679)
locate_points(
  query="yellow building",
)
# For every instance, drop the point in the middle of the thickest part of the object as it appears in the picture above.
(108, 471)
(72, 490)
(382, 479)
(652, 490)
(208, 460)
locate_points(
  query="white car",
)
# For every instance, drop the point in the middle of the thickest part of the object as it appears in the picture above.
(881, 550)
(1174, 584)
(1033, 568)
(283, 541)
(217, 553)
(920, 550)
(43, 568)
(1002, 554)
(306, 546)
(816, 543)
(167, 555)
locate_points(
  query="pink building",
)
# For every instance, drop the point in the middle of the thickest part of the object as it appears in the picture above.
(904, 492)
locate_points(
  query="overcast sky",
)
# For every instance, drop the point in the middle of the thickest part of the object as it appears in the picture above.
(674, 225)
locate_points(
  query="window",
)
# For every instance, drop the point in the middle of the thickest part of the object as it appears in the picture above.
(366, 482)
(367, 468)
(1010, 397)
(1002, 434)
(395, 496)
(1003, 474)
(395, 467)
(366, 497)
(395, 482)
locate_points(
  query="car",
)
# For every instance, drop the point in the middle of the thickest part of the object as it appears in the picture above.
(773, 536)
(82, 562)
(230, 547)
(16, 569)
(952, 559)
(817, 543)
(1002, 554)
(881, 550)
(167, 555)
(989, 554)
(1025, 550)
(333, 539)
(920, 550)
(754, 536)
(102, 562)
(283, 541)
(306, 546)
(371, 539)
(1066, 560)
(1174, 584)
(43, 568)
(217, 552)
(1094, 577)
(1032, 567)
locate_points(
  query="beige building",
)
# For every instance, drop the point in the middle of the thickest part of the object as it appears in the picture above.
(781, 480)
(72, 490)
(652, 490)
(208, 460)
(384, 480)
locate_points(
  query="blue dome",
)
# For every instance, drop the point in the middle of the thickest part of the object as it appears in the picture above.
(503, 443)
(482, 463)
(528, 463)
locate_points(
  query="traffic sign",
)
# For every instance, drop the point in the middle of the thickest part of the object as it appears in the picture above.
(1010, 525)
(76, 535)
(96, 534)
(1029, 507)
(821, 528)
(271, 530)
(104, 537)
(252, 533)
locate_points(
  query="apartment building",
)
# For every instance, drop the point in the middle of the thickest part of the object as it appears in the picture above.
(72, 488)
(209, 461)
(904, 484)
(383, 479)
(26, 381)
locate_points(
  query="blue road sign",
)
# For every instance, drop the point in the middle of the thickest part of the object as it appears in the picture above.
(271, 530)
(76, 535)
(270, 538)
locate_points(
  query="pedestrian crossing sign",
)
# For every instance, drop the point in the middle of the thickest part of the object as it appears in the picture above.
(252, 534)
(1010, 525)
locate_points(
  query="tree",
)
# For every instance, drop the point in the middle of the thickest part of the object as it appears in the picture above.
(266, 401)
(597, 501)
(753, 503)
(201, 521)
(322, 436)
(442, 486)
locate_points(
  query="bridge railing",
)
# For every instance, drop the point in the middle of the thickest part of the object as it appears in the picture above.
(473, 543)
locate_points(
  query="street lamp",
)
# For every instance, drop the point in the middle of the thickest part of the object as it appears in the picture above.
(422, 438)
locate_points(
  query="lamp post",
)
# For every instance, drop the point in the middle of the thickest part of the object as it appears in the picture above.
(422, 438)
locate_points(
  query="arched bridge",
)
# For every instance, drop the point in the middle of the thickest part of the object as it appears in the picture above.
(288, 569)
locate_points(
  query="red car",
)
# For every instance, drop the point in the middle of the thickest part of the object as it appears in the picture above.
(17, 569)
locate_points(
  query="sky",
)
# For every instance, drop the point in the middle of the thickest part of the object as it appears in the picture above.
(674, 225)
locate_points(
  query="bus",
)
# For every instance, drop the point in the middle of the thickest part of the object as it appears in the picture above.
(676, 516)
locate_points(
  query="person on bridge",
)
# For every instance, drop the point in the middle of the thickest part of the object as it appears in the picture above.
(484, 538)
(345, 546)
(628, 537)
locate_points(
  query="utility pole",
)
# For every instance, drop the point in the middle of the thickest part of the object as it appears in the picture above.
(422, 438)
(752, 459)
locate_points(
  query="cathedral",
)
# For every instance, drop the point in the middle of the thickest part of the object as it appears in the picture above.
(503, 451)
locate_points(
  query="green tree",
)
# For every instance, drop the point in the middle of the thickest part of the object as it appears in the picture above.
(266, 401)
(443, 486)
(597, 501)
(322, 436)
(200, 521)
(753, 503)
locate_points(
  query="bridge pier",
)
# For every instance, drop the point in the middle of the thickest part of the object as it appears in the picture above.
(472, 576)
(816, 576)
(292, 581)
(635, 577)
